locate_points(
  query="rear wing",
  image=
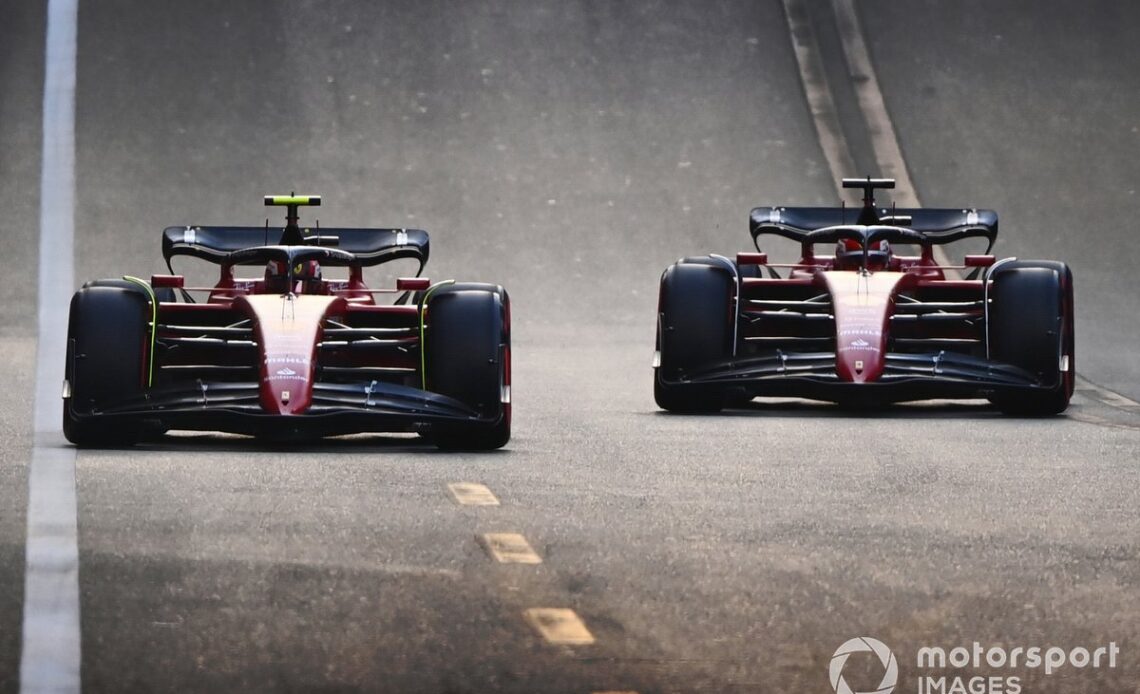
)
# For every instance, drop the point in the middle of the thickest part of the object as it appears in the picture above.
(367, 246)
(934, 226)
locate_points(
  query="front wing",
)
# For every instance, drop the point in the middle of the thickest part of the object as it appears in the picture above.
(905, 377)
(337, 408)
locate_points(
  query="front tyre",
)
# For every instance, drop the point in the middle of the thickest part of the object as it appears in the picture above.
(1031, 326)
(108, 340)
(694, 328)
(467, 356)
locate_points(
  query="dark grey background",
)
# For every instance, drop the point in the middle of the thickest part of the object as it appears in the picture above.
(570, 150)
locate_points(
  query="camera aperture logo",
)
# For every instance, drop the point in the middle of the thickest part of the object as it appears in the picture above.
(864, 644)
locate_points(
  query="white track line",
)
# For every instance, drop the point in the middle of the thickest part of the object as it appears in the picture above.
(50, 656)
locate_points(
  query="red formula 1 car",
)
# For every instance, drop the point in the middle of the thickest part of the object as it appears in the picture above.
(866, 325)
(288, 353)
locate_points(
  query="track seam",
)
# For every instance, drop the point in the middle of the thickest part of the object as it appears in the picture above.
(817, 91)
(884, 142)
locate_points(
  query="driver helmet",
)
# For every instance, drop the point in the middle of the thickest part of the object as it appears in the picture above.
(849, 254)
(308, 272)
(276, 277)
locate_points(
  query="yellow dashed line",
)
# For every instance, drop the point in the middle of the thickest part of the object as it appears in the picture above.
(510, 548)
(472, 494)
(559, 626)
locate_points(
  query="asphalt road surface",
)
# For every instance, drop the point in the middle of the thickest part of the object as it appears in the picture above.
(570, 150)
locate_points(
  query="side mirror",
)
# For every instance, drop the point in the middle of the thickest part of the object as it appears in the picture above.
(413, 284)
(751, 259)
(172, 281)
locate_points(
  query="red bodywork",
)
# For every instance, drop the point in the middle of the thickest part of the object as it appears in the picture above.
(282, 336)
(862, 306)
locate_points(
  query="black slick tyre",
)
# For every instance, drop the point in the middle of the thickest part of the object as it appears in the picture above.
(467, 357)
(1031, 325)
(108, 340)
(694, 329)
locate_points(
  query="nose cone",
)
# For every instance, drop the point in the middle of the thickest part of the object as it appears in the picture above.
(862, 305)
(287, 329)
(860, 361)
(287, 389)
